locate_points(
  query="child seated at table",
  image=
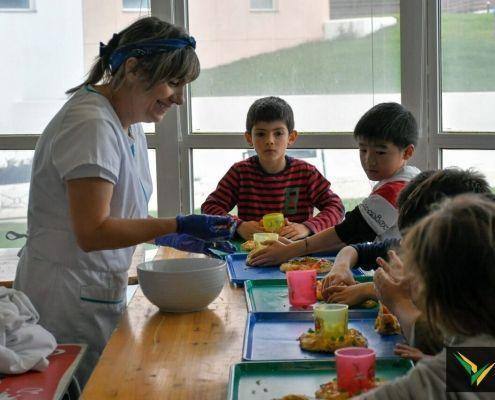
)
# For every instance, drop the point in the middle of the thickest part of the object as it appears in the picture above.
(272, 182)
(451, 254)
(414, 202)
(386, 136)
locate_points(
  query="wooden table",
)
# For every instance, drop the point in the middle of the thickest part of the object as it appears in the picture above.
(153, 355)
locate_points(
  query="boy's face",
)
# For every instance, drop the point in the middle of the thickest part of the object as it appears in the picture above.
(381, 159)
(270, 140)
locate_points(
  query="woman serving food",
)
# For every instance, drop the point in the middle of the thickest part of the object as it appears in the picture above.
(90, 186)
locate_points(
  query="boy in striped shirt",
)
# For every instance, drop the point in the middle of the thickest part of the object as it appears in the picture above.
(272, 182)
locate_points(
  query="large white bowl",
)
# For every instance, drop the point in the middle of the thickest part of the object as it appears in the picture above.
(182, 284)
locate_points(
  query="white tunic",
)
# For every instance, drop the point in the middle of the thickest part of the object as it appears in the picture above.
(80, 296)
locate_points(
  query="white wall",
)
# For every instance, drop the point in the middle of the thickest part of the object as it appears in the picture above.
(42, 56)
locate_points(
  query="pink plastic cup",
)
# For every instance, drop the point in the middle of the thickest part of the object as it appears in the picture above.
(355, 368)
(302, 287)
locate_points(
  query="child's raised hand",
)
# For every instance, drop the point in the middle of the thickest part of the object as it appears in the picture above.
(350, 295)
(394, 267)
(247, 228)
(390, 291)
(294, 231)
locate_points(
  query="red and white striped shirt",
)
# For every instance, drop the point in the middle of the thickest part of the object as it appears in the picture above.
(295, 192)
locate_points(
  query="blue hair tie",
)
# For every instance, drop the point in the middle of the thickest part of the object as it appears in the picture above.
(147, 48)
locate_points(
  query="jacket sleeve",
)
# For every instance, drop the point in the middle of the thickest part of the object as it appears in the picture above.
(224, 198)
(327, 202)
(369, 252)
(354, 228)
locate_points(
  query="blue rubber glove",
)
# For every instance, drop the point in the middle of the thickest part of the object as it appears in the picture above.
(194, 245)
(207, 227)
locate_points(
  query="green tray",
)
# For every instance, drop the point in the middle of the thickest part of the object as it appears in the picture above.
(270, 295)
(275, 379)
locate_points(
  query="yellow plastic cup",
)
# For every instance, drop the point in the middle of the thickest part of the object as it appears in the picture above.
(262, 237)
(273, 222)
(331, 320)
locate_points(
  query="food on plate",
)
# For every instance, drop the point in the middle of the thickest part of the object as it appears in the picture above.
(248, 245)
(365, 304)
(306, 263)
(316, 341)
(295, 397)
(386, 323)
(331, 391)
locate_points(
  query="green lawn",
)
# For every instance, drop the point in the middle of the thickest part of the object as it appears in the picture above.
(342, 66)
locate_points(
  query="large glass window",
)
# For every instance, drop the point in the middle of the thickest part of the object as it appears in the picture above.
(331, 60)
(480, 160)
(14, 4)
(468, 56)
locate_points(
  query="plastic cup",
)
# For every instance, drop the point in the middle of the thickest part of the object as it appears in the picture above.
(331, 319)
(262, 237)
(302, 287)
(273, 222)
(355, 369)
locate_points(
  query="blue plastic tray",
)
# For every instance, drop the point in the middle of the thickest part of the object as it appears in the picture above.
(273, 336)
(239, 272)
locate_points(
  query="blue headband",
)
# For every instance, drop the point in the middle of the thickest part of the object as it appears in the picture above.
(147, 48)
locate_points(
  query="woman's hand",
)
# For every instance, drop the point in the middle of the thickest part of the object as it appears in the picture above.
(207, 227)
(274, 254)
(350, 295)
(247, 228)
(295, 231)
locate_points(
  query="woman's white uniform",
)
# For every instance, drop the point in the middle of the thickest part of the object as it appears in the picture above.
(80, 296)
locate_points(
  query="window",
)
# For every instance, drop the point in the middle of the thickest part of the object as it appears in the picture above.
(330, 70)
(262, 5)
(15, 5)
(468, 56)
(481, 160)
(133, 5)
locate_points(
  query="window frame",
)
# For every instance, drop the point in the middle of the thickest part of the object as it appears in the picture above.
(264, 10)
(133, 9)
(30, 8)
(420, 92)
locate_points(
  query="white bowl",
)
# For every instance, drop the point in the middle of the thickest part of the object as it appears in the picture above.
(182, 284)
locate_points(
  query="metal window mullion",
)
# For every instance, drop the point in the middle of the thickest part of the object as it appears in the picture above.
(414, 72)
(18, 142)
(237, 141)
(166, 140)
(434, 84)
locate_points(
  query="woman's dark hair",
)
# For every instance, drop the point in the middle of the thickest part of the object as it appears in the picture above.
(179, 64)
(453, 249)
(429, 188)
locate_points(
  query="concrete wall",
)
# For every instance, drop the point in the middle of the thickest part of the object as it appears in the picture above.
(101, 20)
(226, 30)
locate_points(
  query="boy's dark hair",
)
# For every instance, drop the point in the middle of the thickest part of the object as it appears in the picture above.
(429, 188)
(453, 249)
(269, 109)
(390, 122)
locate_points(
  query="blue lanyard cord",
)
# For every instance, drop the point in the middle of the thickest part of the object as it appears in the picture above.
(133, 151)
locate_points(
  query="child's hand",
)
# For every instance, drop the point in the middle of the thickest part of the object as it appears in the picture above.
(274, 254)
(390, 291)
(350, 295)
(246, 229)
(340, 274)
(294, 231)
(410, 353)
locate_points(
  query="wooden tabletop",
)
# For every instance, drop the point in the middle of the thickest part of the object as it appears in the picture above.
(153, 355)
